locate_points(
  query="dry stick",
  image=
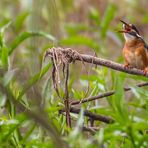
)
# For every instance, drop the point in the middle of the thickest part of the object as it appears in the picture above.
(110, 64)
(106, 94)
(73, 55)
(93, 98)
(54, 77)
(90, 115)
(66, 101)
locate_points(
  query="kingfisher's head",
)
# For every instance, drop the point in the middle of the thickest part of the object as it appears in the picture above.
(130, 31)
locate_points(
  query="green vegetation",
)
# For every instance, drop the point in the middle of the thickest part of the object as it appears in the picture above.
(29, 105)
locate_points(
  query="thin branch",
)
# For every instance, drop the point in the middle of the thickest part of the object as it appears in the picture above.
(73, 55)
(66, 81)
(70, 55)
(110, 64)
(66, 101)
(90, 115)
(138, 85)
(106, 94)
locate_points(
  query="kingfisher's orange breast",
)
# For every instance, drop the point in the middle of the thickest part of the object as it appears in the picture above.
(135, 54)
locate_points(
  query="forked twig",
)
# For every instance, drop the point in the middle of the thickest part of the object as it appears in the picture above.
(59, 58)
(66, 56)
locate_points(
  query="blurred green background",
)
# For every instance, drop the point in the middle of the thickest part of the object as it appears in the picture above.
(28, 103)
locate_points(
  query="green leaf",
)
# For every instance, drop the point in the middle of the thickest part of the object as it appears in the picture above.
(73, 29)
(10, 126)
(8, 76)
(1, 40)
(137, 91)
(137, 77)
(4, 21)
(4, 57)
(3, 48)
(33, 80)
(119, 105)
(2, 30)
(18, 40)
(79, 125)
(95, 15)
(80, 40)
(108, 16)
(101, 136)
(20, 20)
(29, 132)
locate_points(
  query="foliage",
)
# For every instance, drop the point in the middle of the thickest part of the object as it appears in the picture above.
(29, 106)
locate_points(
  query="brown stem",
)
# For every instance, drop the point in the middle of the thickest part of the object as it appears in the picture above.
(73, 55)
(90, 115)
(106, 94)
(66, 101)
(110, 64)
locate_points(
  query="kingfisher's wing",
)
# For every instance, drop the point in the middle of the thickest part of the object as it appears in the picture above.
(135, 34)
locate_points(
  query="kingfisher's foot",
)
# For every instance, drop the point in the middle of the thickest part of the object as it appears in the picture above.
(126, 66)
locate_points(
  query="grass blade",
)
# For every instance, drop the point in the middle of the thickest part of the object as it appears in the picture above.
(108, 16)
(26, 35)
(33, 80)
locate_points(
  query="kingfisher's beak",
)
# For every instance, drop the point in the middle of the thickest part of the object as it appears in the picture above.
(124, 23)
(123, 31)
(126, 29)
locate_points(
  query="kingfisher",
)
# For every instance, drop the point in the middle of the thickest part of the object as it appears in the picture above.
(135, 50)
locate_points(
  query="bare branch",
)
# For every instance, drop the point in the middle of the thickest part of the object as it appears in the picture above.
(106, 94)
(72, 55)
(90, 115)
(66, 101)
(68, 55)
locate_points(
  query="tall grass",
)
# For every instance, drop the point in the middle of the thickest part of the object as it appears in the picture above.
(29, 106)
